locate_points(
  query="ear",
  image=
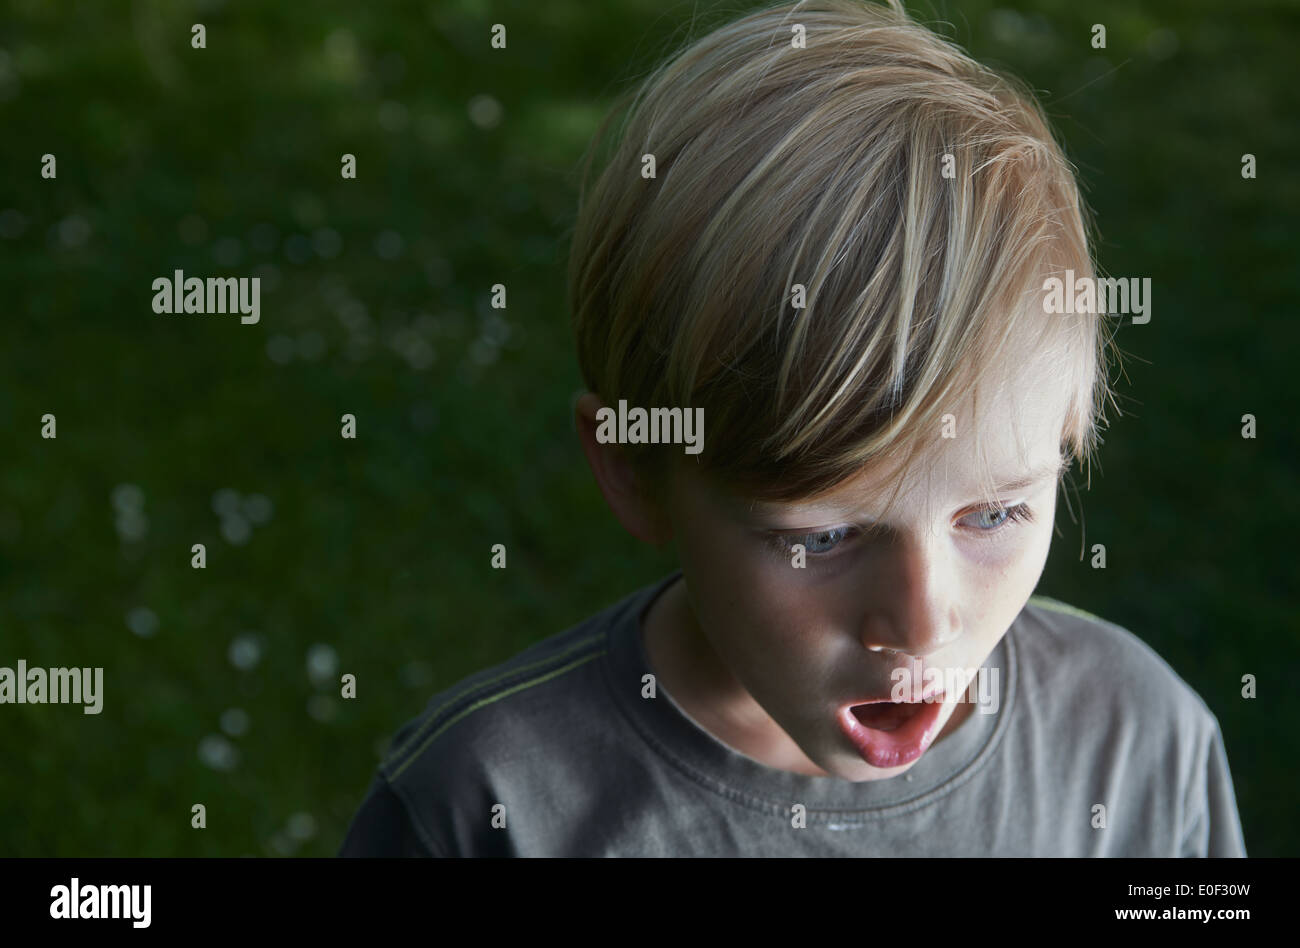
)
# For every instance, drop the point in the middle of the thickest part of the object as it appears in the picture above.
(619, 481)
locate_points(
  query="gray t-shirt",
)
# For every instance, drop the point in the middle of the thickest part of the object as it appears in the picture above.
(556, 753)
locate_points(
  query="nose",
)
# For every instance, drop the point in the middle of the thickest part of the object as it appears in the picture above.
(912, 601)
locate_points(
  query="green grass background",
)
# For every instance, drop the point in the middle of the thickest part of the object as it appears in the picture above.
(174, 158)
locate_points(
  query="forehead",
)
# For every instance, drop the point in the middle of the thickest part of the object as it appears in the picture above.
(1003, 436)
(1006, 428)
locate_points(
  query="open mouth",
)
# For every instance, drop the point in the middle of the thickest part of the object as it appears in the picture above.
(891, 733)
(886, 715)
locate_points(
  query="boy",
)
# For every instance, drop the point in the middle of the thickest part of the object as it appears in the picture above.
(838, 252)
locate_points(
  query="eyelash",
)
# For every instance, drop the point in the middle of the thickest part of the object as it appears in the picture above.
(782, 543)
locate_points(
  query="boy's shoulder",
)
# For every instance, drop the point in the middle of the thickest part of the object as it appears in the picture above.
(535, 720)
(1109, 720)
(1090, 669)
(493, 709)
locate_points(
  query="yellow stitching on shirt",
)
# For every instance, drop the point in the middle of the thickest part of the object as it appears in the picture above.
(1057, 606)
(505, 674)
(486, 701)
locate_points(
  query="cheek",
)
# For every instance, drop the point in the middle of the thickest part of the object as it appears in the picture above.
(1000, 582)
(731, 585)
(746, 599)
(717, 554)
(709, 550)
(1019, 572)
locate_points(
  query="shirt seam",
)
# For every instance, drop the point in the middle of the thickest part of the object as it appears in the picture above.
(491, 699)
(389, 766)
(412, 812)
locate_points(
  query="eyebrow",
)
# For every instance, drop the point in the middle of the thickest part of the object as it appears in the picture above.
(1053, 470)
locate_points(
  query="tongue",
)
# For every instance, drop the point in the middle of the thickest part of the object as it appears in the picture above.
(885, 715)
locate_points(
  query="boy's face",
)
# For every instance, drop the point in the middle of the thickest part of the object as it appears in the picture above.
(790, 651)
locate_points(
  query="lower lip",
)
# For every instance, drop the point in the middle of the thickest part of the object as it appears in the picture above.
(897, 747)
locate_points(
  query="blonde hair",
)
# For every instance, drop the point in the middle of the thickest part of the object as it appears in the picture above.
(824, 166)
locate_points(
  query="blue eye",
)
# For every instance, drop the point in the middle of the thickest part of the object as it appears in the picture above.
(993, 518)
(814, 544)
(820, 543)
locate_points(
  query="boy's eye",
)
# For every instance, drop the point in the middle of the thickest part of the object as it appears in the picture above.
(990, 519)
(814, 544)
(987, 520)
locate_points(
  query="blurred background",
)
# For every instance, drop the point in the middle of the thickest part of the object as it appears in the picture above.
(371, 557)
